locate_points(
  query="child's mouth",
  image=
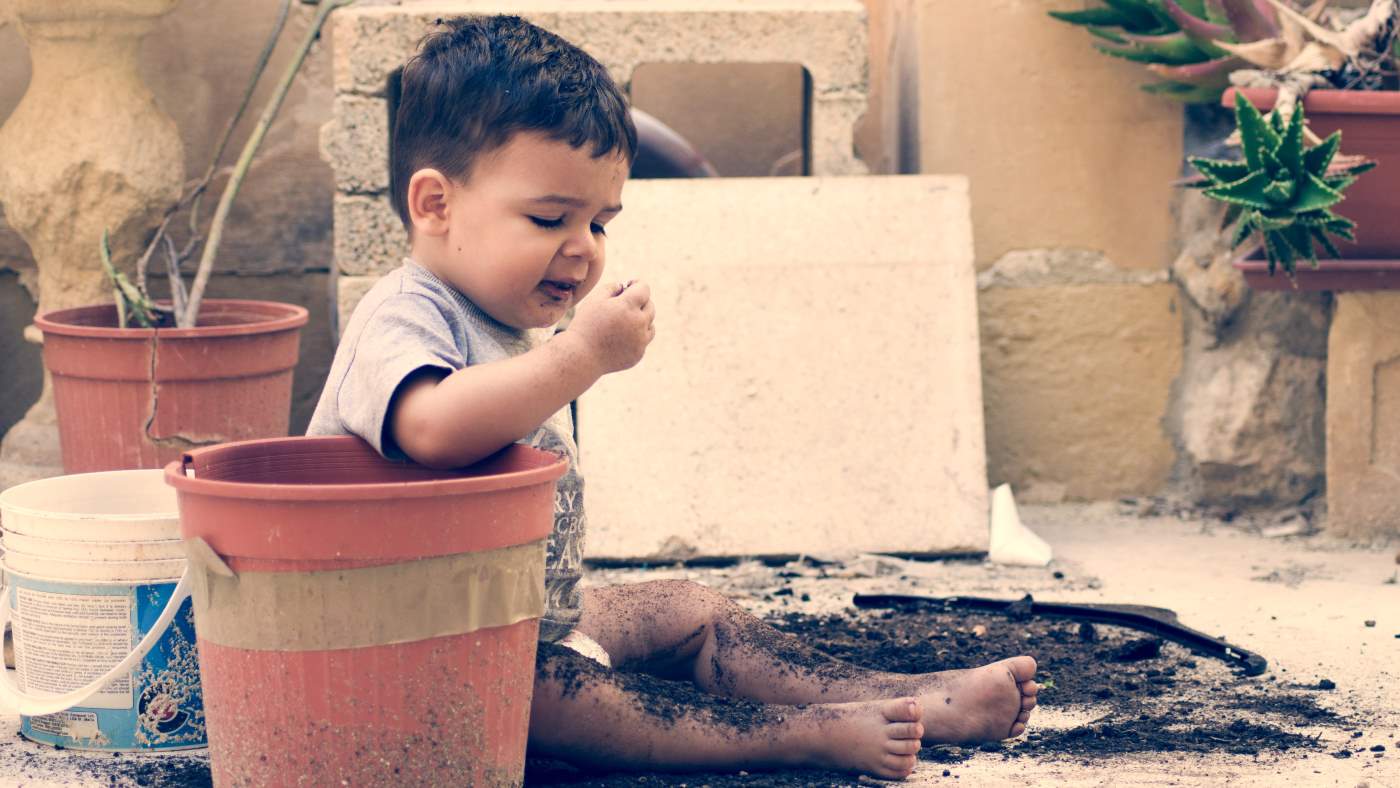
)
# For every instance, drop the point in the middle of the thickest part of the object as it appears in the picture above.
(559, 291)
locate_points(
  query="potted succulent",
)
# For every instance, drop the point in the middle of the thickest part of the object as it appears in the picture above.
(1341, 75)
(138, 382)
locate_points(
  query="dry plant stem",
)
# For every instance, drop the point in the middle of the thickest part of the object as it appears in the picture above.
(245, 160)
(192, 198)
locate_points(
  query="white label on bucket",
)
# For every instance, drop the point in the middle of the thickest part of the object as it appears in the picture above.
(64, 641)
(68, 724)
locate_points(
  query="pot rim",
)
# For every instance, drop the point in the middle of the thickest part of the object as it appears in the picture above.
(1330, 101)
(274, 316)
(460, 485)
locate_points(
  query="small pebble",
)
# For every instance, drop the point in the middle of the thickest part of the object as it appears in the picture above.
(1370, 622)
(1326, 684)
(946, 772)
(1378, 748)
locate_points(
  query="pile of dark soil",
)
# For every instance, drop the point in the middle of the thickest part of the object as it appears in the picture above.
(1145, 695)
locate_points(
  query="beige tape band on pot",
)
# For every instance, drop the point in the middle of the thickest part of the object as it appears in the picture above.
(375, 606)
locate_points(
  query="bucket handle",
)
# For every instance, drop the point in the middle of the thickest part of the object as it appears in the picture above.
(35, 705)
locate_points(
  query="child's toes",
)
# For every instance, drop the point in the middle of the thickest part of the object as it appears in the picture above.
(905, 730)
(903, 746)
(898, 767)
(1027, 703)
(1028, 688)
(903, 710)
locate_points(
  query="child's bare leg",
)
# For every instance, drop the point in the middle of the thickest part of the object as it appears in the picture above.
(588, 714)
(682, 629)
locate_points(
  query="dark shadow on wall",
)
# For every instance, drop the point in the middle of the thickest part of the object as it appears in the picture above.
(21, 364)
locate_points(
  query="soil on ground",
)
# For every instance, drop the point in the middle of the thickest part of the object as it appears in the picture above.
(1121, 693)
(1127, 694)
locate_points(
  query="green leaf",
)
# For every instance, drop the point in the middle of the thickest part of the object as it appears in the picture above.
(1315, 195)
(1316, 158)
(1140, 11)
(1278, 252)
(1248, 191)
(1255, 134)
(1242, 231)
(1300, 239)
(1326, 243)
(1094, 16)
(1280, 191)
(1290, 147)
(1273, 222)
(1220, 171)
(1232, 213)
(1276, 122)
(1106, 34)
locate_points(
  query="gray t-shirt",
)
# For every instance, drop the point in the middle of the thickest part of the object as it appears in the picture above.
(409, 320)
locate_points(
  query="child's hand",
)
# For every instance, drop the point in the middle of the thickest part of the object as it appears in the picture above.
(616, 328)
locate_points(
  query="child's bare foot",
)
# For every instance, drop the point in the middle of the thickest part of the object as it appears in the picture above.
(980, 704)
(880, 738)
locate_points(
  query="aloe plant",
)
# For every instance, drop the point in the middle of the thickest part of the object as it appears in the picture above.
(1282, 192)
(1180, 41)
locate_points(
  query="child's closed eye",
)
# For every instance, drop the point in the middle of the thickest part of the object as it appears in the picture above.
(553, 224)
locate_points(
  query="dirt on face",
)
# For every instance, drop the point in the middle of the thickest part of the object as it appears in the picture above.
(1138, 694)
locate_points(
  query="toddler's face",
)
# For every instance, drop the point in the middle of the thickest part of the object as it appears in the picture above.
(526, 237)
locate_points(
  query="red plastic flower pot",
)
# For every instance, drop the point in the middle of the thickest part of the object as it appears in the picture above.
(139, 397)
(363, 622)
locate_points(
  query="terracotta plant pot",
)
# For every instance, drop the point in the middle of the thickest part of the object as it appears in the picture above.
(1333, 275)
(1370, 126)
(365, 622)
(140, 398)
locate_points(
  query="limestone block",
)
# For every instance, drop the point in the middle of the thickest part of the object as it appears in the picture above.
(356, 144)
(369, 238)
(1076, 379)
(348, 292)
(1061, 146)
(814, 383)
(828, 37)
(1363, 415)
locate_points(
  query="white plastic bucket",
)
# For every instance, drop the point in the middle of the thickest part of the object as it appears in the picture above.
(96, 587)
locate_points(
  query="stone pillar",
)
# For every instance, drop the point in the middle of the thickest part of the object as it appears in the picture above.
(87, 149)
(1363, 415)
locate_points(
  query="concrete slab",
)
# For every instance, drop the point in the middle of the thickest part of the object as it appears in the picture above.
(814, 384)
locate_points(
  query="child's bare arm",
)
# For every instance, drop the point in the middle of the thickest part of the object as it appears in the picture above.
(449, 420)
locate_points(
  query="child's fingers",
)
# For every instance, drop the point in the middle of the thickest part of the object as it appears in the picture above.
(637, 293)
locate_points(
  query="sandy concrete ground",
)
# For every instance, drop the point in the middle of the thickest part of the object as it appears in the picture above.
(1302, 602)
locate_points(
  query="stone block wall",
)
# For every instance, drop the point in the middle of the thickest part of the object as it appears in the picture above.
(828, 38)
(1363, 415)
(1070, 167)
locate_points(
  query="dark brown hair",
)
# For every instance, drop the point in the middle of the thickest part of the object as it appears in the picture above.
(481, 79)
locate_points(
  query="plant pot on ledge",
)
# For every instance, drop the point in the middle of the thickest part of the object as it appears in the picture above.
(141, 397)
(1363, 341)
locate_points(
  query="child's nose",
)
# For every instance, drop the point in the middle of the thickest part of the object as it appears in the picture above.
(582, 245)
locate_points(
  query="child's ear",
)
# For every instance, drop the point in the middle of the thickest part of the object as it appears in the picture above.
(428, 190)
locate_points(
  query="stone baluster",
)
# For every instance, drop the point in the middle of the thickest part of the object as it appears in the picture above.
(87, 149)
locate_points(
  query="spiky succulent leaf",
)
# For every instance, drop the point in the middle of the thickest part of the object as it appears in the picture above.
(1106, 33)
(1299, 240)
(1278, 251)
(1280, 192)
(1326, 243)
(1099, 17)
(1249, 191)
(1174, 49)
(1144, 13)
(1220, 171)
(1243, 230)
(1315, 195)
(1290, 147)
(1256, 136)
(1316, 158)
